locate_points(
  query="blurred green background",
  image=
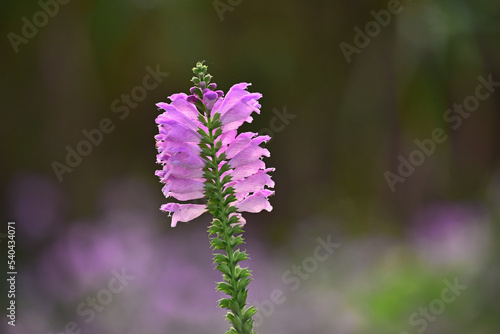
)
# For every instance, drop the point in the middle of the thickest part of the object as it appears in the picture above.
(354, 117)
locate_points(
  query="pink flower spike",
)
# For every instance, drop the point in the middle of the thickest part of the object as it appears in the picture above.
(179, 152)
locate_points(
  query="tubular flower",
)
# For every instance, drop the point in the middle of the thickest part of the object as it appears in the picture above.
(179, 152)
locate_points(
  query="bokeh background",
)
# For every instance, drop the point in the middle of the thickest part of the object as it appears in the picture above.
(351, 120)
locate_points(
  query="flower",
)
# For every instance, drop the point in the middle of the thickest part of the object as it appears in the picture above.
(180, 154)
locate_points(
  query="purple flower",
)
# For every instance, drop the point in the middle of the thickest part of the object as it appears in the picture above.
(179, 153)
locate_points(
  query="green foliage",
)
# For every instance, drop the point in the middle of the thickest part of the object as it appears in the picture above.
(218, 244)
(225, 232)
(225, 287)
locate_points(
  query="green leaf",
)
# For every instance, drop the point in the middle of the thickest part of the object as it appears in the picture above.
(218, 132)
(241, 297)
(236, 229)
(222, 156)
(229, 199)
(233, 220)
(234, 320)
(242, 273)
(209, 175)
(231, 209)
(198, 92)
(200, 106)
(225, 287)
(204, 141)
(239, 256)
(235, 307)
(242, 283)
(247, 327)
(235, 241)
(220, 258)
(211, 164)
(214, 230)
(231, 331)
(226, 179)
(224, 168)
(249, 313)
(224, 302)
(210, 186)
(218, 243)
(217, 222)
(223, 268)
(212, 208)
(205, 151)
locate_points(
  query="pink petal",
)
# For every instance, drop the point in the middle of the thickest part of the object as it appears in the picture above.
(227, 137)
(185, 196)
(179, 101)
(256, 202)
(172, 113)
(252, 183)
(183, 212)
(239, 143)
(160, 173)
(184, 173)
(182, 156)
(216, 106)
(261, 139)
(246, 170)
(236, 92)
(180, 133)
(241, 109)
(248, 155)
(182, 186)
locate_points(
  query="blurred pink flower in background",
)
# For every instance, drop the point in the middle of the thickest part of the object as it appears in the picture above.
(452, 234)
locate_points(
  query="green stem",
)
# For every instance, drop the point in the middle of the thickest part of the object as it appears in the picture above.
(226, 231)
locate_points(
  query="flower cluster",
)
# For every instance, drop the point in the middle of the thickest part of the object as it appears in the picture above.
(178, 144)
(204, 157)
